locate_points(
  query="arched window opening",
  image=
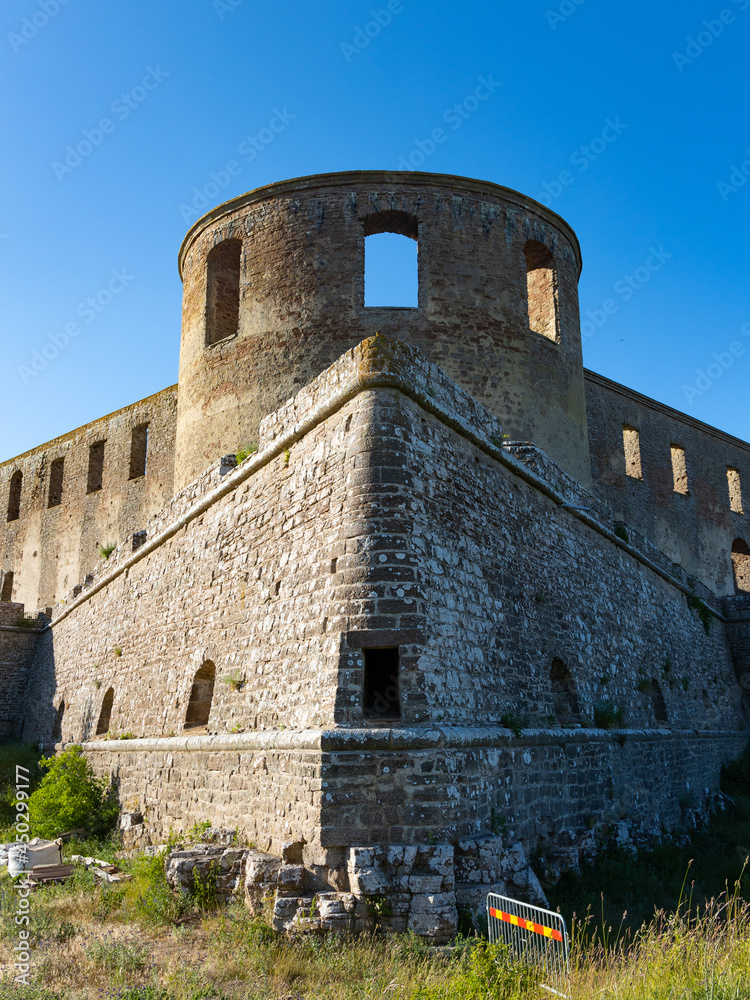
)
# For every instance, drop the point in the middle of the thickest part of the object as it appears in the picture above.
(54, 497)
(657, 701)
(391, 260)
(95, 476)
(201, 696)
(541, 289)
(564, 694)
(138, 451)
(223, 291)
(14, 496)
(632, 445)
(57, 724)
(7, 592)
(102, 725)
(741, 566)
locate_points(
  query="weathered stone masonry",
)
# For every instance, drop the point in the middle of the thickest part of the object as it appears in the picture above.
(385, 645)
(379, 511)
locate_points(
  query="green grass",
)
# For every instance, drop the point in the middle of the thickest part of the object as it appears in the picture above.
(245, 451)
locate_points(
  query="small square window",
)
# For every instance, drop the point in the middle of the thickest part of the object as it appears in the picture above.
(381, 684)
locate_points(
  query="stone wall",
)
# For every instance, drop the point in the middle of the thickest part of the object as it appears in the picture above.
(17, 648)
(695, 529)
(737, 612)
(383, 510)
(49, 549)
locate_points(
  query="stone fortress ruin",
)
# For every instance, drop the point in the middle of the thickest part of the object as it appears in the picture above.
(466, 603)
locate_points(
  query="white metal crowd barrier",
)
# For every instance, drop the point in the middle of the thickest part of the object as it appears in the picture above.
(533, 935)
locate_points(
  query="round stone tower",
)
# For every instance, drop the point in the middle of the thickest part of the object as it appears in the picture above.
(274, 294)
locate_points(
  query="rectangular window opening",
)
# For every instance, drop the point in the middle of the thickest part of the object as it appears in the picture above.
(14, 496)
(96, 467)
(54, 498)
(138, 451)
(735, 491)
(541, 290)
(632, 445)
(679, 469)
(223, 267)
(381, 698)
(391, 271)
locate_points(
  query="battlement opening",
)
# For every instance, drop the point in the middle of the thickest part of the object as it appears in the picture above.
(14, 496)
(380, 697)
(138, 451)
(105, 714)
(741, 566)
(7, 591)
(541, 289)
(96, 467)
(391, 260)
(54, 497)
(201, 696)
(223, 291)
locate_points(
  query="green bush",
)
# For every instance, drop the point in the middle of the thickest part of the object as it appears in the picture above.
(70, 796)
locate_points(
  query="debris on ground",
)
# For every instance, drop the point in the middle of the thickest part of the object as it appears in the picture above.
(103, 870)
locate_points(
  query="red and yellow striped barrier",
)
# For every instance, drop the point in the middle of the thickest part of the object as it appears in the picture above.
(529, 925)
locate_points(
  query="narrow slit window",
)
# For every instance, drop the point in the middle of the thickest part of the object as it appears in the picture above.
(564, 694)
(138, 451)
(741, 566)
(381, 699)
(391, 260)
(541, 289)
(632, 446)
(679, 469)
(201, 696)
(735, 490)
(58, 723)
(223, 291)
(7, 592)
(658, 704)
(54, 497)
(105, 714)
(96, 467)
(14, 496)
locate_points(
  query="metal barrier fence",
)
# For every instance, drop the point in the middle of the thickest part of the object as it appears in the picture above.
(533, 935)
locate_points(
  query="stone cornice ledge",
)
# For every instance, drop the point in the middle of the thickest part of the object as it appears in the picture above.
(395, 739)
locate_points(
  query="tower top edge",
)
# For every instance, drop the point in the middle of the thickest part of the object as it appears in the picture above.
(391, 178)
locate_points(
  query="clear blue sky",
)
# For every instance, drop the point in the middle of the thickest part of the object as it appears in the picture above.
(200, 78)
